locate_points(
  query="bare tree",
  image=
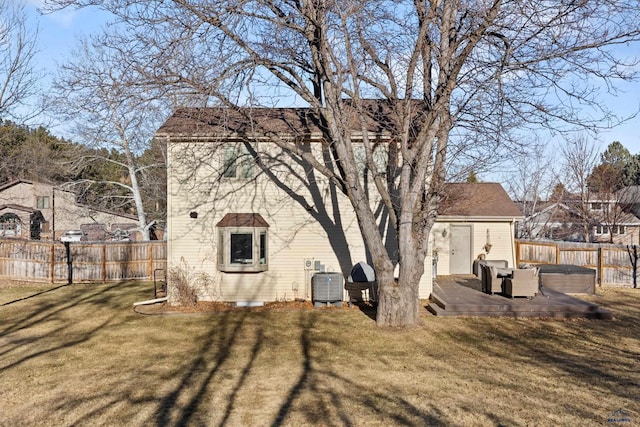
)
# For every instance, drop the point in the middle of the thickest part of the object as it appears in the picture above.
(530, 183)
(98, 95)
(456, 78)
(580, 156)
(18, 75)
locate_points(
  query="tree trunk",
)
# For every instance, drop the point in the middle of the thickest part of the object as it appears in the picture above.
(398, 303)
(399, 299)
(137, 198)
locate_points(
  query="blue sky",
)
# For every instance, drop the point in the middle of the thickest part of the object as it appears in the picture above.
(59, 32)
(58, 36)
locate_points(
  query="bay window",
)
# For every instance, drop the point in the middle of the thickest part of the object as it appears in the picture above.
(242, 243)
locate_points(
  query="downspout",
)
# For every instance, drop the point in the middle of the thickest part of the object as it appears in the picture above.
(151, 301)
(513, 240)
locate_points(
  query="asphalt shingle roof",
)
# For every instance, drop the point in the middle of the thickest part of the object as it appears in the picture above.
(484, 199)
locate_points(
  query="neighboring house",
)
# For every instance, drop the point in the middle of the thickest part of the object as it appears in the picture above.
(550, 221)
(39, 211)
(608, 219)
(614, 217)
(247, 223)
(629, 197)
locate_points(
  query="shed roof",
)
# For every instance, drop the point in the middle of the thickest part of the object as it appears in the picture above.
(483, 199)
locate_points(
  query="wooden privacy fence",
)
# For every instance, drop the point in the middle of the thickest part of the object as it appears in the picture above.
(612, 262)
(36, 261)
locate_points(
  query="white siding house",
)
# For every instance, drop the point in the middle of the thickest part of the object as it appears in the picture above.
(248, 224)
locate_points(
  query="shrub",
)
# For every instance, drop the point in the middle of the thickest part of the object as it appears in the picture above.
(182, 291)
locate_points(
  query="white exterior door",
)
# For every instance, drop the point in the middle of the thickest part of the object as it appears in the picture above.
(460, 247)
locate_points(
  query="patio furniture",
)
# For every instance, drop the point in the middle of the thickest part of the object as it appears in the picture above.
(523, 283)
(504, 272)
(491, 281)
(478, 263)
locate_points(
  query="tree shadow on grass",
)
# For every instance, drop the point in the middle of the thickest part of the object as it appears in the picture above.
(48, 312)
(580, 351)
(309, 396)
(320, 403)
(50, 308)
(215, 349)
(37, 294)
(219, 369)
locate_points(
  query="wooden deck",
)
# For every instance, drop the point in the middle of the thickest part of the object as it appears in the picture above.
(462, 296)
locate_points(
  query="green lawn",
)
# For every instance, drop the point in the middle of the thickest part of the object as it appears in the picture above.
(79, 355)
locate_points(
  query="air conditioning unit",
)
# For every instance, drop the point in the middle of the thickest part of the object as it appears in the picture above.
(327, 289)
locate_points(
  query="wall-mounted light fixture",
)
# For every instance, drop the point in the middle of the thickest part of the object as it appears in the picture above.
(487, 245)
(444, 232)
(193, 214)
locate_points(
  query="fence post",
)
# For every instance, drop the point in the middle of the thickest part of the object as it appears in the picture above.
(150, 246)
(52, 262)
(600, 265)
(67, 247)
(558, 257)
(104, 263)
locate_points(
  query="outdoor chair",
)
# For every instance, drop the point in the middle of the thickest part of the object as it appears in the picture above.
(479, 263)
(524, 283)
(491, 283)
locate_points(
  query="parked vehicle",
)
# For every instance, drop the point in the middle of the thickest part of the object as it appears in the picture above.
(74, 236)
(120, 236)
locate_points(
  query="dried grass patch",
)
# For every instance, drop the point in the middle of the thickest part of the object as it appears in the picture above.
(75, 355)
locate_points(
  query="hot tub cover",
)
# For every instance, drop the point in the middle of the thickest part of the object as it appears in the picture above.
(565, 269)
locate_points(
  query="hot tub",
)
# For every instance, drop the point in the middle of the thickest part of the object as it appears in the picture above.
(570, 279)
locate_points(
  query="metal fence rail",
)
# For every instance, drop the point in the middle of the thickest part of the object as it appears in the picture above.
(612, 262)
(25, 260)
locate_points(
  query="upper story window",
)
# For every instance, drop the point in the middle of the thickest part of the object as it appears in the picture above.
(42, 202)
(242, 243)
(596, 206)
(237, 161)
(379, 159)
(614, 229)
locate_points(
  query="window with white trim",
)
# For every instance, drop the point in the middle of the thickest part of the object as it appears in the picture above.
(237, 162)
(602, 229)
(379, 159)
(42, 202)
(242, 243)
(614, 229)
